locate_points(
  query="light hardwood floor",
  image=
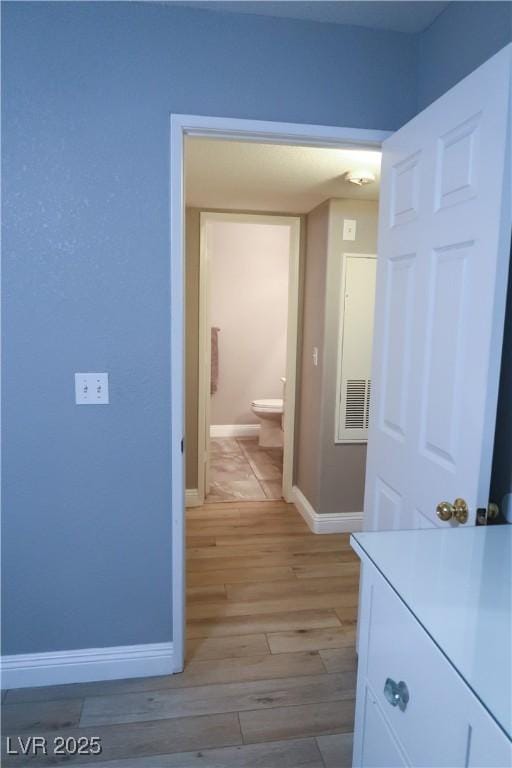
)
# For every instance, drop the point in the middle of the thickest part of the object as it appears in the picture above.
(270, 674)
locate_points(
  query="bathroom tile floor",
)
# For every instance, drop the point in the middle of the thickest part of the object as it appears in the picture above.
(241, 470)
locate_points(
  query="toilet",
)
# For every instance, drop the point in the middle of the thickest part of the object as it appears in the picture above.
(270, 414)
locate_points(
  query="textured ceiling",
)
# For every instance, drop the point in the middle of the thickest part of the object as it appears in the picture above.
(404, 16)
(269, 177)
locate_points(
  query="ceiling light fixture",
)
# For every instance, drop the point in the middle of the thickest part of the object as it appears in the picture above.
(360, 177)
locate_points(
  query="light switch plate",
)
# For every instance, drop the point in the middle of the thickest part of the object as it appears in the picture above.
(349, 229)
(91, 388)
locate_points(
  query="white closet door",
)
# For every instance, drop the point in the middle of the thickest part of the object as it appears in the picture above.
(355, 347)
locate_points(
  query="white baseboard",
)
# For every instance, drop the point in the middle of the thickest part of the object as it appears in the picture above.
(234, 430)
(339, 522)
(87, 665)
(192, 498)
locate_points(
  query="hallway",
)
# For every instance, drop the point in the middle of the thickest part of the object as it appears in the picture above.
(270, 672)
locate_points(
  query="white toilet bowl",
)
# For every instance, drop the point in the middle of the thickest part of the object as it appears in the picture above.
(270, 414)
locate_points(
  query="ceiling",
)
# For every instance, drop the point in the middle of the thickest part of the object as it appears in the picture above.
(269, 177)
(403, 16)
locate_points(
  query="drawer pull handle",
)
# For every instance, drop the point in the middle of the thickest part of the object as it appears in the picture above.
(397, 694)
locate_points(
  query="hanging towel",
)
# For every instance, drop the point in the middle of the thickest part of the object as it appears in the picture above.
(214, 380)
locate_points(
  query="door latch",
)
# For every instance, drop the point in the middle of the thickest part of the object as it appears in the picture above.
(487, 514)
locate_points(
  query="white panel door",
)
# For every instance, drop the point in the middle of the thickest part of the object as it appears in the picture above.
(444, 246)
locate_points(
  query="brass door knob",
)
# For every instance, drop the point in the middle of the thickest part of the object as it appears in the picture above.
(444, 511)
(457, 511)
(460, 511)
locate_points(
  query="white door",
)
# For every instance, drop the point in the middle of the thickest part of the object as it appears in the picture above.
(444, 247)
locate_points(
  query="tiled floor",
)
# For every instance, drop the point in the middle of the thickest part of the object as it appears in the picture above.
(242, 471)
(270, 673)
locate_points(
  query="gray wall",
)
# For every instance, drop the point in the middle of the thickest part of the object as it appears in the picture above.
(248, 265)
(308, 441)
(330, 475)
(343, 466)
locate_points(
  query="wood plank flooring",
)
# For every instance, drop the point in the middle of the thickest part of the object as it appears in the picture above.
(270, 674)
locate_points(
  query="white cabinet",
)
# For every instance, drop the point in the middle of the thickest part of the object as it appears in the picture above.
(413, 708)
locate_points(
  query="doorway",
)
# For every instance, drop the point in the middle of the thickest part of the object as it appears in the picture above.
(242, 130)
(248, 322)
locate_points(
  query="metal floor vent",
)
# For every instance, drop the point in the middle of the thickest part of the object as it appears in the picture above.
(355, 404)
(357, 408)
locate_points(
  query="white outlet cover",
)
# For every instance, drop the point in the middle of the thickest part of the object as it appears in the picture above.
(349, 229)
(91, 388)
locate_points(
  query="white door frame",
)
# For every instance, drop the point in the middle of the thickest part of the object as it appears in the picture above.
(291, 339)
(241, 130)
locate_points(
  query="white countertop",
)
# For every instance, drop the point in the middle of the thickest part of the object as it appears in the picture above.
(457, 583)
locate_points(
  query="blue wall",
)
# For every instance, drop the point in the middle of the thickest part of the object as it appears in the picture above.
(88, 88)
(464, 36)
(87, 92)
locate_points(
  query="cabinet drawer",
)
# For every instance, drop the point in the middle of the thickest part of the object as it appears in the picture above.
(432, 725)
(379, 748)
(488, 745)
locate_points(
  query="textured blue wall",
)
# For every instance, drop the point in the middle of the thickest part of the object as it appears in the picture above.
(464, 36)
(88, 89)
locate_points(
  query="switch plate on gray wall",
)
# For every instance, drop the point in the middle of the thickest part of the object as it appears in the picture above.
(349, 229)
